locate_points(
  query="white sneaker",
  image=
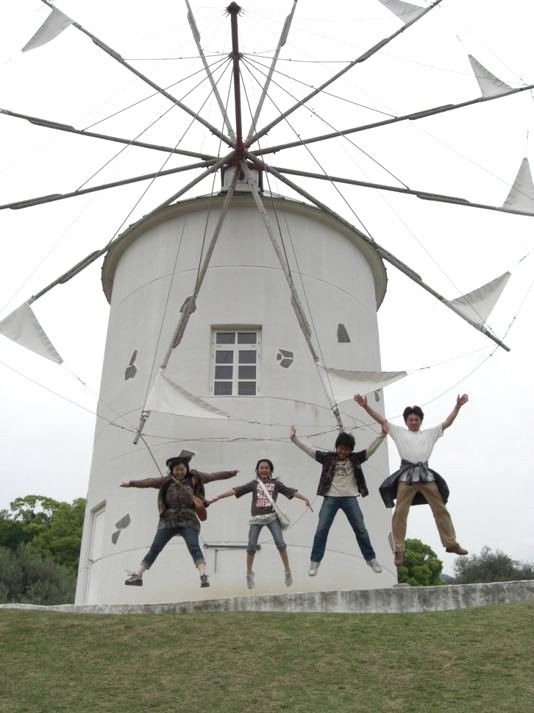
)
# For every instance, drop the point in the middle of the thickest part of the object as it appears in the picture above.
(288, 579)
(314, 566)
(373, 564)
(250, 580)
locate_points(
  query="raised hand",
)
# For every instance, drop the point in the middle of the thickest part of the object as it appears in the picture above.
(461, 400)
(361, 400)
(292, 432)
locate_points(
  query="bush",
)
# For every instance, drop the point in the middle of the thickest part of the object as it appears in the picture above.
(29, 578)
(491, 567)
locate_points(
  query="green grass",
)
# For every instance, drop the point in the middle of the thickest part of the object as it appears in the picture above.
(461, 661)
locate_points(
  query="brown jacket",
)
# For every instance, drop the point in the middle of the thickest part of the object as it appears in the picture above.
(195, 479)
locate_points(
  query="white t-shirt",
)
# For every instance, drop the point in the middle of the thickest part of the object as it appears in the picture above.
(415, 446)
(343, 483)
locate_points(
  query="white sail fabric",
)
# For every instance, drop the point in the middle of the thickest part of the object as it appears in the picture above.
(521, 196)
(406, 11)
(490, 85)
(345, 383)
(476, 306)
(23, 327)
(167, 397)
(54, 24)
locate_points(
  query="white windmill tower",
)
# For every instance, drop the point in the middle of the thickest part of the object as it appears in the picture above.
(234, 315)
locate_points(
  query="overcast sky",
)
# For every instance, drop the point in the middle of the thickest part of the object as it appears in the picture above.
(47, 416)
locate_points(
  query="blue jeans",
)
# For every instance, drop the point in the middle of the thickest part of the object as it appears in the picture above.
(327, 513)
(165, 534)
(276, 532)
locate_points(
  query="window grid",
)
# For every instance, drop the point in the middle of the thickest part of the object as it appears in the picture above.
(235, 358)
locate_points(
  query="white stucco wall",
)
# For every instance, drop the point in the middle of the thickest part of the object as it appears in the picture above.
(148, 275)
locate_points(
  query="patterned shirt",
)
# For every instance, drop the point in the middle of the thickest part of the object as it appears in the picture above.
(179, 507)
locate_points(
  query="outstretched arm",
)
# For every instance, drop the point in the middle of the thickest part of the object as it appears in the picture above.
(227, 494)
(362, 401)
(218, 475)
(143, 483)
(300, 496)
(303, 446)
(460, 401)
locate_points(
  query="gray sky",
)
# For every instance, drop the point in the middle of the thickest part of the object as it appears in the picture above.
(47, 418)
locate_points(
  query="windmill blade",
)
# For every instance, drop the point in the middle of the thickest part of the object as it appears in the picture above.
(196, 37)
(50, 198)
(412, 116)
(57, 126)
(117, 57)
(424, 195)
(281, 43)
(89, 259)
(366, 55)
(385, 254)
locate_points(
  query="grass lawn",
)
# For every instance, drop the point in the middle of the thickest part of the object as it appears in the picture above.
(462, 661)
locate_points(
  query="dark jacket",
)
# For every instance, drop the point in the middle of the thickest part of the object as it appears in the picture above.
(328, 460)
(195, 479)
(388, 489)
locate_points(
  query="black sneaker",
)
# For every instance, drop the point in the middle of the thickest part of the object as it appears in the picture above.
(134, 579)
(204, 580)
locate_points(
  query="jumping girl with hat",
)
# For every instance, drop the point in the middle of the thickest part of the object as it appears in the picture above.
(180, 497)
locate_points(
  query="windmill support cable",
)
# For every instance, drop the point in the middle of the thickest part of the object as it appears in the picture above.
(116, 56)
(366, 55)
(295, 300)
(413, 116)
(281, 43)
(423, 195)
(40, 200)
(196, 37)
(190, 304)
(385, 254)
(49, 124)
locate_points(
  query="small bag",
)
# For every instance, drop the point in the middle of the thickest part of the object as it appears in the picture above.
(200, 508)
(284, 520)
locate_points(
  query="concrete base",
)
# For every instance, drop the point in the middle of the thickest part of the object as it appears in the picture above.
(394, 600)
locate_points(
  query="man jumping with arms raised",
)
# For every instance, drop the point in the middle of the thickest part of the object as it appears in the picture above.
(414, 482)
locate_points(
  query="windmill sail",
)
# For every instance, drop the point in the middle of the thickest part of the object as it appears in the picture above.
(490, 85)
(406, 11)
(521, 196)
(345, 383)
(168, 397)
(476, 306)
(54, 25)
(23, 327)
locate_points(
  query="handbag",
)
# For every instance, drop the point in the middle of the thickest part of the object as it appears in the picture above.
(200, 508)
(285, 520)
(198, 503)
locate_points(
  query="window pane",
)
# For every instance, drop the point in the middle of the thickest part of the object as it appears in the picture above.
(248, 357)
(225, 338)
(246, 388)
(246, 338)
(247, 372)
(223, 372)
(223, 357)
(223, 388)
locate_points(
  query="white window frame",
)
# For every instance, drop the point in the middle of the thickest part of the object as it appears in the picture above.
(235, 348)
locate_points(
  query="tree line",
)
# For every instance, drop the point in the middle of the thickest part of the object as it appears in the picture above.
(40, 542)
